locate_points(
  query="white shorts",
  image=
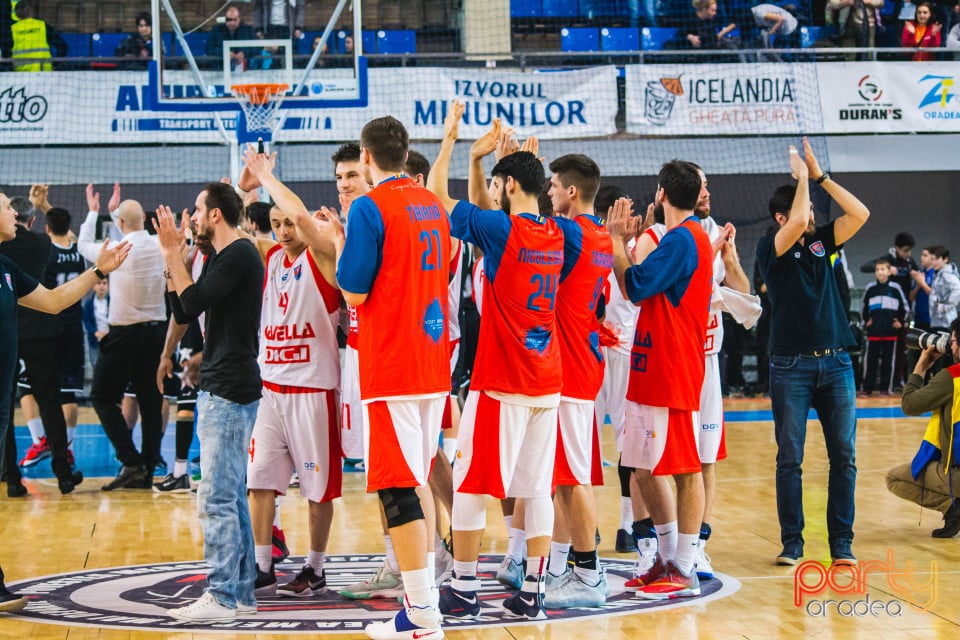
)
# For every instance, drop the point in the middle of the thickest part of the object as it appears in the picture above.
(613, 394)
(661, 440)
(296, 431)
(400, 440)
(712, 447)
(505, 449)
(351, 426)
(578, 445)
(454, 355)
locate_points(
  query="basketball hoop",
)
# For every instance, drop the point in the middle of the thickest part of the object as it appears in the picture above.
(260, 103)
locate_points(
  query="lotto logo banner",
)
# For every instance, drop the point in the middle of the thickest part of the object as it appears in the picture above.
(890, 97)
(722, 99)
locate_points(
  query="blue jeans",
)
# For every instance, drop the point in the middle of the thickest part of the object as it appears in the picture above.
(224, 429)
(826, 384)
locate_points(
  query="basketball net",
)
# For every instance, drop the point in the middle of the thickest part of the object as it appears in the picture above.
(260, 103)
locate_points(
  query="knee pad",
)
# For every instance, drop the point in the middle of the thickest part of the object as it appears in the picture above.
(469, 512)
(538, 519)
(400, 506)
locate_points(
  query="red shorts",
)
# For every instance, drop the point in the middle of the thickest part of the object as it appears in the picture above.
(664, 441)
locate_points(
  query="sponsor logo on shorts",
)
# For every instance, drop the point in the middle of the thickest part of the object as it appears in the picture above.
(139, 598)
(712, 426)
(311, 466)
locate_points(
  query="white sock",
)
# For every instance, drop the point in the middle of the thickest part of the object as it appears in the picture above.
(392, 563)
(179, 468)
(558, 558)
(71, 435)
(626, 514)
(450, 448)
(276, 512)
(36, 429)
(536, 569)
(417, 586)
(687, 544)
(517, 544)
(264, 556)
(315, 560)
(667, 540)
(432, 563)
(465, 569)
(508, 520)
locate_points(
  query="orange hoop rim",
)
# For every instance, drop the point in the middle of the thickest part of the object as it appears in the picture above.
(259, 93)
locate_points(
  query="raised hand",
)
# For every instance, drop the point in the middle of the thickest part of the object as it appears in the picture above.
(38, 197)
(451, 125)
(813, 167)
(532, 144)
(507, 144)
(93, 199)
(170, 236)
(487, 143)
(114, 203)
(798, 168)
(110, 258)
(258, 166)
(620, 222)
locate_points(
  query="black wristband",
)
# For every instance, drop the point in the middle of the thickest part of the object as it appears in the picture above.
(98, 273)
(825, 176)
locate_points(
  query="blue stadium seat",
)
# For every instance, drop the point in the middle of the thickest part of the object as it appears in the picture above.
(197, 41)
(104, 44)
(654, 38)
(369, 41)
(561, 8)
(579, 39)
(810, 35)
(526, 8)
(620, 39)
(78, 44)
(397, 41)
(306, 42)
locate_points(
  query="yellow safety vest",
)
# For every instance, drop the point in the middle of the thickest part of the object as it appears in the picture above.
(30, 41)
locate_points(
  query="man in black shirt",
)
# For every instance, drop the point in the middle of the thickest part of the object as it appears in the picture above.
(19, 288)
(809, 363)
(229, 292)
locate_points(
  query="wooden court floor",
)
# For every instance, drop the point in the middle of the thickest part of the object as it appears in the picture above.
(48, 533)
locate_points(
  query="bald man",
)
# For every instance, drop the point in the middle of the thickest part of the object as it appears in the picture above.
(130, 352)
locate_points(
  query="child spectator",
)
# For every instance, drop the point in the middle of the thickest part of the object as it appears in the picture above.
(885, 311)
(95, 318)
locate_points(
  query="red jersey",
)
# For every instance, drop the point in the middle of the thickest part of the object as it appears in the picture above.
(588, 259)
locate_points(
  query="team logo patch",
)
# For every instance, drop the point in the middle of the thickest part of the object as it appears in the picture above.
(297, 271)
(138, 597)
(817, 249)
(9, 280)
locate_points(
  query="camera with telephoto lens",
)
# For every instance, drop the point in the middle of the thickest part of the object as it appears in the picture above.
(920, 339)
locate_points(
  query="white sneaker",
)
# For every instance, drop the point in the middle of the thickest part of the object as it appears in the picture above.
(415, 623)
(554, 582)
(646, 556)
(704, 568)
(246, 609)
(204, 609)
(444, 565)
(385, 584)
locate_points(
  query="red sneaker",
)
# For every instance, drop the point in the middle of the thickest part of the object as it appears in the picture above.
(36, 453)
(280, 551)
(655, 572)
(673, 584)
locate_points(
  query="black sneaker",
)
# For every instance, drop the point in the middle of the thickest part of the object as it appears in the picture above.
(306, 584)
(171, 484)
(459, 604)
(951, 522)
(16, 490)
(10, 602)
(266, 583)
(526, 604)
(68, 483)
(135, 477)
(625, 543)
(841, 553)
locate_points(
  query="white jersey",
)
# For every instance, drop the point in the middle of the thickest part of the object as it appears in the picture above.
(478, 278)
(298, 325)
(714, 339)
(621, 314)
(454, 289)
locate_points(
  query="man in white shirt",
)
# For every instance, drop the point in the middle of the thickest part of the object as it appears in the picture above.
(130, 352)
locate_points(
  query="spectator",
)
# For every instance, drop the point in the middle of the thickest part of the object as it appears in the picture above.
(279, 18)
(95, 309)
(706, 31)
(232, 29)
(137, 46)
(884, 313)
(953, 38)
(921, 32)
(929, 479)
(944, 297)
(33, 39)
(856, 22)
(775, 24)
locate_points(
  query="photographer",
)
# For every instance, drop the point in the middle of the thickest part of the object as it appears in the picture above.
(929, 480)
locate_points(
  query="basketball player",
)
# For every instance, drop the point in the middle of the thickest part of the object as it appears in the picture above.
(397, 247)
(666, 376)
(588, 260)
(515, 387)
(297, 423)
